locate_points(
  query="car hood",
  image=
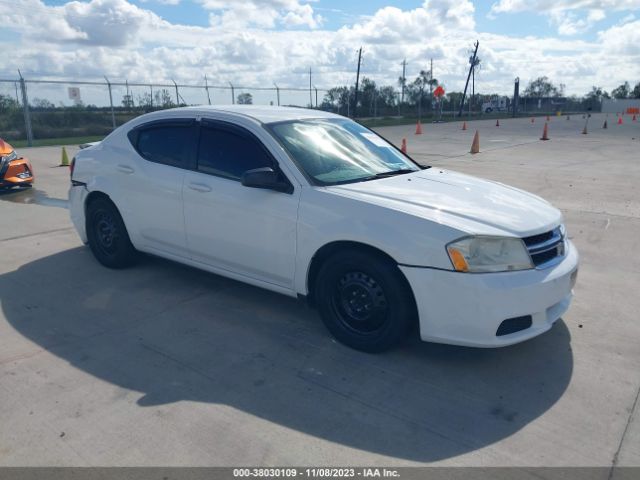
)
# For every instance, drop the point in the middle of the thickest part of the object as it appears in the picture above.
(470, 204)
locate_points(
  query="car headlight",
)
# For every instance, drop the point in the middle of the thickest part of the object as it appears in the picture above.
(489, 254)
(10, 157)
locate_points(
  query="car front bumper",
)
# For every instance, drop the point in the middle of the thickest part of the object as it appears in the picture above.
(467, 309)
(16, 173)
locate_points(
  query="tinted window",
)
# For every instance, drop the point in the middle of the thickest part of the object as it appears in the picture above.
(229, 154)
(168, 144)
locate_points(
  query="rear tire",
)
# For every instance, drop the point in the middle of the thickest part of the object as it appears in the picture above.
(364, 301)
(107, 235)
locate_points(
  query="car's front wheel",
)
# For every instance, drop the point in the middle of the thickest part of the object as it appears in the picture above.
(364, 300)
(107, 235)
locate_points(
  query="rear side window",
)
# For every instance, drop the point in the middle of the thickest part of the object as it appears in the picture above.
(228, 153)
(169, 144)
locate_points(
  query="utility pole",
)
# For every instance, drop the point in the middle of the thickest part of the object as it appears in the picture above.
(466, 85)
(404, 78)
(431, 84)
(431, 79)
(310, 96)
(516, 95)
(355, 107)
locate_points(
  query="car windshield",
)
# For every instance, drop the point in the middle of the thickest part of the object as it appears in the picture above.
(335, 151)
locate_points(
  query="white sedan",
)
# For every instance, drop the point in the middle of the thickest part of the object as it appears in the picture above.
(314, 205)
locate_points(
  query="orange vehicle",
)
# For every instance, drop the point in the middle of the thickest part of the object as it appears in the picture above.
(15, 171)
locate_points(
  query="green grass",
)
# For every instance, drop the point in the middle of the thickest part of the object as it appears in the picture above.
(48, 142)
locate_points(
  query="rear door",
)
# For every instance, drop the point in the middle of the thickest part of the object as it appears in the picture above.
(242, 230)
(152, 182)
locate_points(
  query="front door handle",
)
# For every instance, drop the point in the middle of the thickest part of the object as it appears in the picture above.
(125, 169)
(199, 187)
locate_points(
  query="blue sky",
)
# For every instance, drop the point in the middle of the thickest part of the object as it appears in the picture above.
(338, 13)
(578, 43)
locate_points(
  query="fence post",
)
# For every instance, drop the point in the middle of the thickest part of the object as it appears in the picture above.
(113, 115)
(177, 95)
(233, 94)
(206, 87)
(151, 89)
(27, 115)
(277, 92)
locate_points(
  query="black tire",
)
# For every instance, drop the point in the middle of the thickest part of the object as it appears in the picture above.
(364, 301)
(107, 235)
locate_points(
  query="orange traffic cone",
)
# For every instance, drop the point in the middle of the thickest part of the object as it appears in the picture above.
(605, 125)
(619, 120)
(533, 119)
(475, 145)
(548, 119)
(418, 128)
(403, 148)
(497, 122)
(545, 132)
(464, 125)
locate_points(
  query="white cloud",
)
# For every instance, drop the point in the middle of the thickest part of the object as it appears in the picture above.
(503, 6)
(261, 13)
(86, 40)
(570, 17)
(570, 23)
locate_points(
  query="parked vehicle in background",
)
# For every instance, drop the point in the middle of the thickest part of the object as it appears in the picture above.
(496, 104)
(311, 204)
(15, 170)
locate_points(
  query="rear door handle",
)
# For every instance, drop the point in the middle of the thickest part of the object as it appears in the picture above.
(125, 169)
(199, 187)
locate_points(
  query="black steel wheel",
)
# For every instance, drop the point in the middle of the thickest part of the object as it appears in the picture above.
(364, 300)
(107, 235)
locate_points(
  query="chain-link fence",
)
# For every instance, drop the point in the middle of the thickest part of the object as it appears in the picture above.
(36, 110)
(41, 109)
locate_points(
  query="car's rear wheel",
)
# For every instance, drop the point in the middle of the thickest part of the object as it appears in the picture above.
(364, 300)
(107, 235)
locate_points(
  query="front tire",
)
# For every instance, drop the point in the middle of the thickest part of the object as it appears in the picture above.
(364, 301)
(107, 235)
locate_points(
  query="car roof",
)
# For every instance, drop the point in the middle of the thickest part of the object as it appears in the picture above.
(264, 113)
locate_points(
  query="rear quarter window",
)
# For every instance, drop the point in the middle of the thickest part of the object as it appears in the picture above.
(168, 143)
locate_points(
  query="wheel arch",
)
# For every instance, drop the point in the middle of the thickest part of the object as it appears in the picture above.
(329, 249)
(93, 196)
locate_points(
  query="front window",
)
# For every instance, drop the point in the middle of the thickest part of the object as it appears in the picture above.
(335, 151)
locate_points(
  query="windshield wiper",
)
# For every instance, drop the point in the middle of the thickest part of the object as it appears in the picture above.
(392, 173)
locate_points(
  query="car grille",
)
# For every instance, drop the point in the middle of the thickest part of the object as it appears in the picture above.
(546, 248)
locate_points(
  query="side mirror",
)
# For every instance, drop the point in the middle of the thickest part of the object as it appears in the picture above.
(267, 178)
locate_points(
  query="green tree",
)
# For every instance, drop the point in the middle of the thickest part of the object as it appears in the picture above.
(541, 87)
(621, 91)
(636, 91)
(245, 99)
(41, 103)
(8, 103)
(163, 98)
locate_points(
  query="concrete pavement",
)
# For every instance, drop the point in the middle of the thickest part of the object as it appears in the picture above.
(165, 365)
